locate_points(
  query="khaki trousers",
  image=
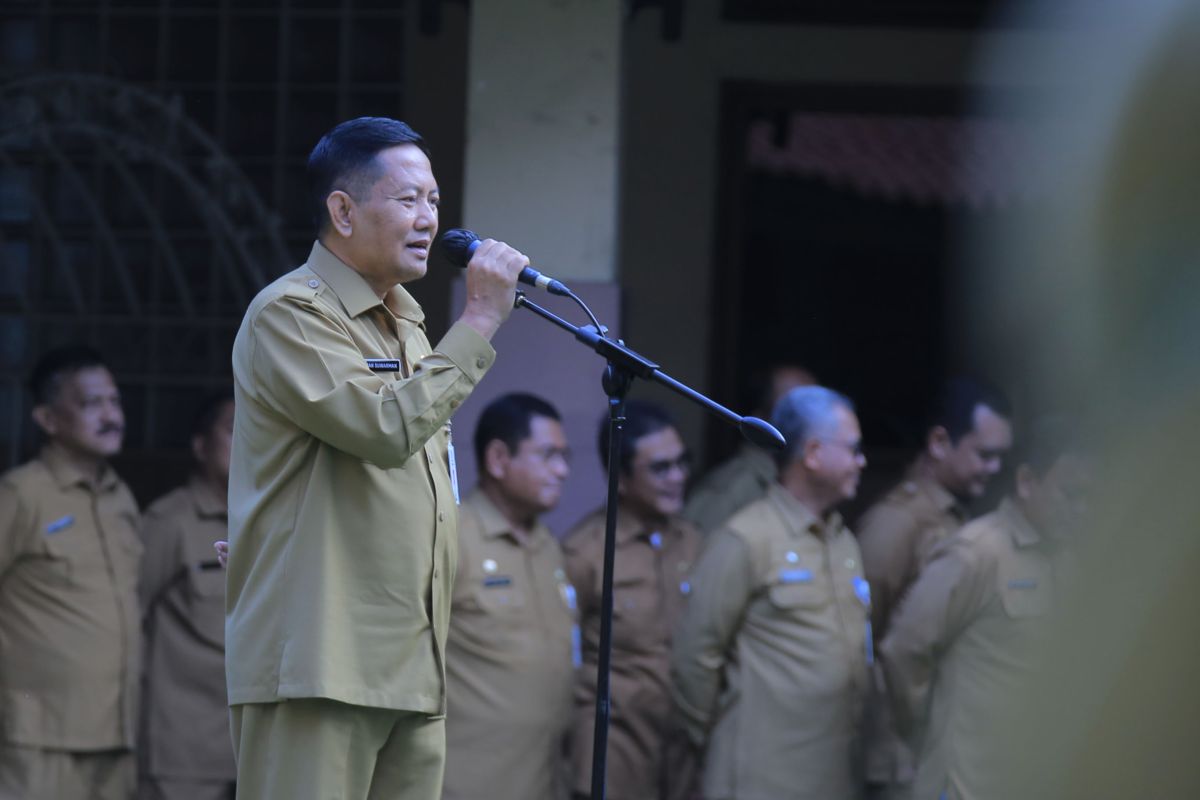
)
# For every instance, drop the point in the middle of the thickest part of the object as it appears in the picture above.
(315, 749)
(31, 773)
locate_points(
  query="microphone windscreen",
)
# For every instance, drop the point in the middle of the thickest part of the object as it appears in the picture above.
(458, 245)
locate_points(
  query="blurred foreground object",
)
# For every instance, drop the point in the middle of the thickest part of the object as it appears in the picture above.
(1097, 295)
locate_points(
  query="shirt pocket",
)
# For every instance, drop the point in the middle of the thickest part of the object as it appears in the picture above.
(206, 580)
(1026, 588)
(499, 594)
(60, 557)
(1025, 597)
(71, 552)
(796, 589)
(636, 613)
(206, 602)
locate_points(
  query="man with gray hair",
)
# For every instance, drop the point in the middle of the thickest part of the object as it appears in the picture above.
(770, 661)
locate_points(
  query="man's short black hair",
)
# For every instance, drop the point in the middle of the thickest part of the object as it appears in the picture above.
(508, 419)
(1047, 439)
(955, 404)
(56, 364)
(641, 419)
(345, 159)
(208, 412)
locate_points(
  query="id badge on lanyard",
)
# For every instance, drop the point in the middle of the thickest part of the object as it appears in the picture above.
(451, 463)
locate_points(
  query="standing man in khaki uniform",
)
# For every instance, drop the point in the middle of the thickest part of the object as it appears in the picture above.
(747, 476)
(342, 516)
(655, 550)
(966, 438)
(770, 661)
(509, 666)
(965, 635)
(185, 752)
(69, 632)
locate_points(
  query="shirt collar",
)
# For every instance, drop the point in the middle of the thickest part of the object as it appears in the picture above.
(208, 502)
(495, 524)
(939, 495)
(67, 474)
(355, 293)
(799, 518)
(1022, 530)
(631, 527)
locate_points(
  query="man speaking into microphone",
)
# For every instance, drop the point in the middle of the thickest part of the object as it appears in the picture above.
(342, 513)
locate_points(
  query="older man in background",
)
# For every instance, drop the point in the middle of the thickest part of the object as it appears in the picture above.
(69, 630)
(770, 662)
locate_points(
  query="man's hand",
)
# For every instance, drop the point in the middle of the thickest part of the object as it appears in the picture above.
(491, 286)
(222, 548)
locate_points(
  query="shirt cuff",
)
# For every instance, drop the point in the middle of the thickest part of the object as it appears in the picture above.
(469, 351)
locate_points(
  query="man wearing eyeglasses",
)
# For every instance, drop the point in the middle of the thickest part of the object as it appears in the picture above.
(770, 662)
(966, 437)
(655, 550)
(510, 656)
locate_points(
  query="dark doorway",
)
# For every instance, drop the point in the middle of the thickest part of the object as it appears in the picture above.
(838, 235)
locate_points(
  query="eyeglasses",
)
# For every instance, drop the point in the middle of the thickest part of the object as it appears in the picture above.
(855, 448)
(663, 467)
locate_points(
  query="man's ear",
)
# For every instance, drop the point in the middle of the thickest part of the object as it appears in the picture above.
(341, 213)
(198, 448)
(938, 444)
(811, 448)
(1024, 481)
(496, 458)
(44, 417)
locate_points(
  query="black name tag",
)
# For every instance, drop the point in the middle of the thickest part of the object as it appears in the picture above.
(496, 581)
(383, 365)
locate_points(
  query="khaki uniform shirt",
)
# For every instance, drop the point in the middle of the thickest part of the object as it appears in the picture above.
(341, 515)
(69, 633)
(650, 589)
(185, 720)
(770, 661)
(730, 486)
(510, 666)
(961, 641)
(896, 536)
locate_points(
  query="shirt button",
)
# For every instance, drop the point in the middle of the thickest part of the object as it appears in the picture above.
(481, 362)
(313, 283)
(441, 516)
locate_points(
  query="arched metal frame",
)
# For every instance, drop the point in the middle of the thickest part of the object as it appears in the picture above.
(86, 131)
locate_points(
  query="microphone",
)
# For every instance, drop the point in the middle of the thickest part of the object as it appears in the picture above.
(458, 245)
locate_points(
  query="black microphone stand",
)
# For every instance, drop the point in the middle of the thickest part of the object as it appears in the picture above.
(623, 366)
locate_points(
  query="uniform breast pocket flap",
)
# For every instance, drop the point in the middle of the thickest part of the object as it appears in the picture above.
(795, 588)
(207, 579)
(499, 593)
(1025, 597)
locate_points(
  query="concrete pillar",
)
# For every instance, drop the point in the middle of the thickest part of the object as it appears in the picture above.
(542, 131)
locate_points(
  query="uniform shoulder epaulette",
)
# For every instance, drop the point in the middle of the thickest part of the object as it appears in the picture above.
(301, 287)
